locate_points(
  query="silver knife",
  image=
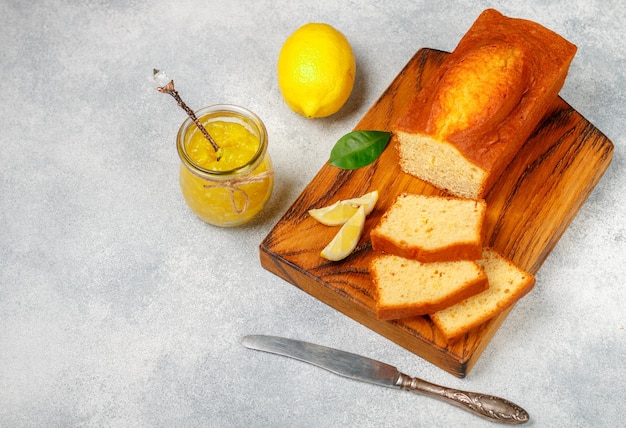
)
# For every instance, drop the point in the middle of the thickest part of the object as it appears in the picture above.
(365, 369)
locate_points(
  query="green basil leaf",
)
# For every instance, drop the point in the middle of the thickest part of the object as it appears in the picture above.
(358, 148)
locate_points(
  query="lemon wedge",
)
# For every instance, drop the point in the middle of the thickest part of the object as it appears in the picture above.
(346, 240)
(341, 211)
(368, 201)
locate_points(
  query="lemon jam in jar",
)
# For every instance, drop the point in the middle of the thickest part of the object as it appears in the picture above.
(231, 186)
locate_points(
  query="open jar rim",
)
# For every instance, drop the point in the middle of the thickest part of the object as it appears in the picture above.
(228, 112)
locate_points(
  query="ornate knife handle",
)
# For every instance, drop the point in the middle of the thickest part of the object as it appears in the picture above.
(495, 409)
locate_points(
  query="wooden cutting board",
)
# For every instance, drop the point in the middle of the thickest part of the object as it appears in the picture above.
(529, 208)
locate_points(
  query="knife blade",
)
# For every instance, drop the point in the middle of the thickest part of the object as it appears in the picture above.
(365, 369)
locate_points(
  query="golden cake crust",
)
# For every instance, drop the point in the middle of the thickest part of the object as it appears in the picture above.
(491, 91)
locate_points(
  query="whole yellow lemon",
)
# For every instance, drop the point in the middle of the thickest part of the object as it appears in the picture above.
(316, 70)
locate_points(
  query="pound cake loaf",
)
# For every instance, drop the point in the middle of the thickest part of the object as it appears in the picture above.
(507, 284)
(431, 228)
(406, 288)
(471, 119)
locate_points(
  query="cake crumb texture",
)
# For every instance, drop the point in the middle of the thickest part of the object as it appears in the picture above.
(431, 228)
(406, 288)
(507, 284)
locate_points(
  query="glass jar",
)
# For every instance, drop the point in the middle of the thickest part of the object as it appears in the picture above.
(231, 186)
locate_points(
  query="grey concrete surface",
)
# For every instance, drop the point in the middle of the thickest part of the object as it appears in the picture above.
(118, 307)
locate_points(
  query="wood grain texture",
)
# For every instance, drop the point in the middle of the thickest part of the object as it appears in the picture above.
(528, 210)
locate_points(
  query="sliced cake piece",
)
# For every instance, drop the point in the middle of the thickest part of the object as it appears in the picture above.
(507, 284)
(431, 228)
(406, 288)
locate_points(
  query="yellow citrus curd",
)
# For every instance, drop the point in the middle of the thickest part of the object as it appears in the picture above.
(230, 186)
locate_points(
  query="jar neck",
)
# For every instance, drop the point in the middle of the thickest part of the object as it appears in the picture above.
(228, 113)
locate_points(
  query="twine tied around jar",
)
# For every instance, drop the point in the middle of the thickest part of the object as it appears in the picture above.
(233, 186)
